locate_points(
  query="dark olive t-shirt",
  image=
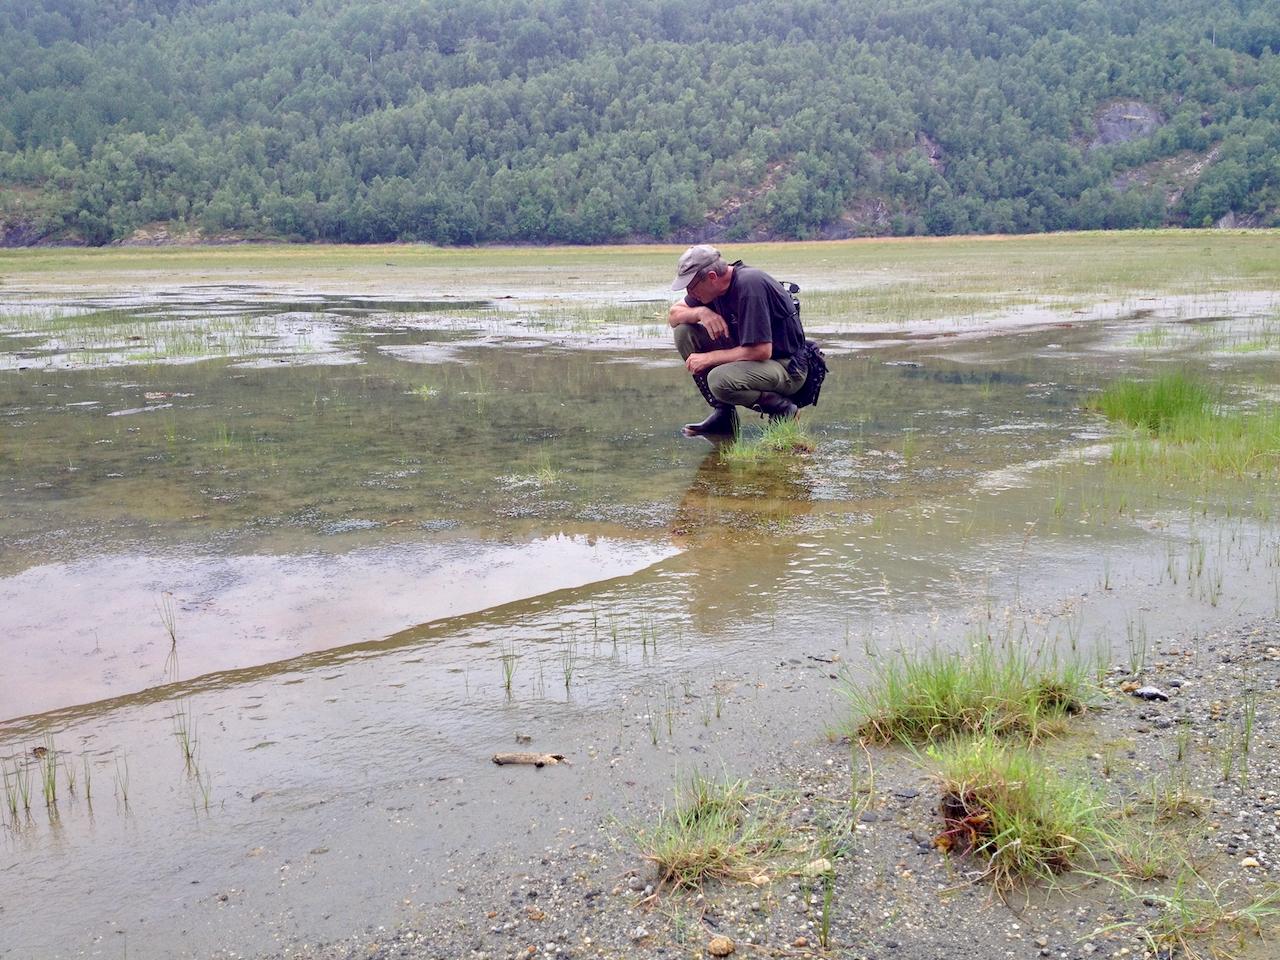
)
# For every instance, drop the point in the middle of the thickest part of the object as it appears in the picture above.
(757, 308)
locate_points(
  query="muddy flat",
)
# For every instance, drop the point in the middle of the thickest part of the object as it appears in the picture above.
(291, 551)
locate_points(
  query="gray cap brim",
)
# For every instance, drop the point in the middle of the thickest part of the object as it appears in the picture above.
(683, 280)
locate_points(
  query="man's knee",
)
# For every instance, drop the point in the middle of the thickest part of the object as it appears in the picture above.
(723, 386)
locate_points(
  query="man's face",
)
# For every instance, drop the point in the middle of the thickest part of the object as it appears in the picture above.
(705, 288)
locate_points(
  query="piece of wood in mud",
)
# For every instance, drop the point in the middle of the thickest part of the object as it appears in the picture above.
(534, 759)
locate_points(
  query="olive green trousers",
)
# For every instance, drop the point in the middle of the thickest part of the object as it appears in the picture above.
(741, 382)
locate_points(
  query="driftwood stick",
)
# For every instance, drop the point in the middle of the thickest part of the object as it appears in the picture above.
(535, 759)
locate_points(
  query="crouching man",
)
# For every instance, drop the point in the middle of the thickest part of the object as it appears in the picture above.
(740, 335)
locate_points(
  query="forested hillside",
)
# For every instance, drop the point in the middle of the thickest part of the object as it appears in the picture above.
(468, 121)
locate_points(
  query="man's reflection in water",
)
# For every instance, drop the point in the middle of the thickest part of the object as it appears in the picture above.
(738, 526)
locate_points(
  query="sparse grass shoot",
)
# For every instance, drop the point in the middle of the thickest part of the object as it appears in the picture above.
(49, 773)
(122, 780)
(1196, 919)
(508, 658)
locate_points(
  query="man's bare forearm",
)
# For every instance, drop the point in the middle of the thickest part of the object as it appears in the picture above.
(682, 313)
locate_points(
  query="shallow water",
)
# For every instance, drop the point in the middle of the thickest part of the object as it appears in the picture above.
(345, 550)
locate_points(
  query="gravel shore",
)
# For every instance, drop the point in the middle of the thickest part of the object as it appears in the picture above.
(591, 893)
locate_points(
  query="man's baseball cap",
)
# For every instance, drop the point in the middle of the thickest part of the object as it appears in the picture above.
(692, 262)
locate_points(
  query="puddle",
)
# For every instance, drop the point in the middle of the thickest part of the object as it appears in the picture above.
(233, 611)
(385, 538)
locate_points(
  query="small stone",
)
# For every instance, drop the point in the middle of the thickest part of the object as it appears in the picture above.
(639, 933)
(868, 816)
(800, 942)
(906, 793)
(1250, 862)
(1150, 693)
(817, 868)
(720, 947)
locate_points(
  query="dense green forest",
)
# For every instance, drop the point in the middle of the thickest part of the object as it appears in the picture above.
(470, 121)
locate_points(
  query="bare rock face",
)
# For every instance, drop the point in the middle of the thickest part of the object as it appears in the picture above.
(1123, 121)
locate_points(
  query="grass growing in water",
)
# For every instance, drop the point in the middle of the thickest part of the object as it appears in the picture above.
(1183, 432)
(922, 696)
(1001, 803)
(777, 438)
(1155, 405)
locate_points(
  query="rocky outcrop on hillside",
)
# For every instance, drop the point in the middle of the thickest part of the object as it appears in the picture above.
(1122, 121)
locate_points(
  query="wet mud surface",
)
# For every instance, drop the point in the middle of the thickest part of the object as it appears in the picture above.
(277, 596)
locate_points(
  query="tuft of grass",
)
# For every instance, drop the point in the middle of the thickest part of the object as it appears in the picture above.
(1001, 803)
(710, 834)
(777, 438)
(919, 697)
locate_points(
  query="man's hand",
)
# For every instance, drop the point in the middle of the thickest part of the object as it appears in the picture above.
(714, 324)
(697, 363)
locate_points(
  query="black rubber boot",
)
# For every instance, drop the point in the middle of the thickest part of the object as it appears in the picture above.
(776, 406)
(723, 421)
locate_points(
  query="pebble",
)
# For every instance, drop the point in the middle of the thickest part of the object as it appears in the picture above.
(1150, 693)
(720, 947)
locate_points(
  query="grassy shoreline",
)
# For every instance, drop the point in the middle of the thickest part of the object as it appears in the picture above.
(973, 271)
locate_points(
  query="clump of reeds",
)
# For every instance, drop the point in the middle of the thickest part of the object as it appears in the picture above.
(1001, 803)
(1156, 404)
(917, 697)
(1182, 431)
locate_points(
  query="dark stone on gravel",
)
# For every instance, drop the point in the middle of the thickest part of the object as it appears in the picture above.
(1150, 693)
